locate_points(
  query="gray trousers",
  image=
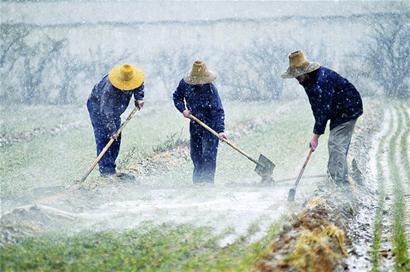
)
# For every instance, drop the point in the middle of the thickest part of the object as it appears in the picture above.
(339, 142)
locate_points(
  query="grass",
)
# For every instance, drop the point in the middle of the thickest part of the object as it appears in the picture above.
(378, 221)
(399, 240)
(149, 248)
(20, 119)
(281, 141)
(166, 247)
(49, 160)
(404, 144)
(60, 159)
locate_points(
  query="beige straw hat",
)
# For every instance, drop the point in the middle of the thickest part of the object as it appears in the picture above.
(126, 77)
(199, 74)
(299, 65)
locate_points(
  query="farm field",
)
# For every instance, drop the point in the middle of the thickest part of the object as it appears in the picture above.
(164, 222)
(52, 53)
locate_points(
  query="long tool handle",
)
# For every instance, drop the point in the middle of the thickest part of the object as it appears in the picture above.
(108, 145)
(223, 140)
(303, 168)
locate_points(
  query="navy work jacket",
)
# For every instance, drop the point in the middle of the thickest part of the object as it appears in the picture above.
(333, 98)
(203, 101)
(110, 102)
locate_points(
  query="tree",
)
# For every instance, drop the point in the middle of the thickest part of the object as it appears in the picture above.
(254, 73)
(12, 43)
(171, 65)
(35, 60)
(388, 53)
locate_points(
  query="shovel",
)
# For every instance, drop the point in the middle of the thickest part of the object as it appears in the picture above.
(108, 145)
(264, 166)
(292, 191)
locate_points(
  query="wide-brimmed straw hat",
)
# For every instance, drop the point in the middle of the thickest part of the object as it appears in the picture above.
(199, 74)
(126, 77)
(299, 65)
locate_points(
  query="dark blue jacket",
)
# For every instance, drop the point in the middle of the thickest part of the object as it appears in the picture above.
(203, 101)
(110, 102)
(333, 98)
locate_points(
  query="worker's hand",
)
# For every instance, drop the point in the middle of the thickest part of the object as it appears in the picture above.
(222, 136)
(139, 104)
(314, 142)
(115, 136)
(186, 113)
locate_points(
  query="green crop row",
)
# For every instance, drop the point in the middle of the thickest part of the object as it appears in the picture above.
(378, 221)
(399, 239)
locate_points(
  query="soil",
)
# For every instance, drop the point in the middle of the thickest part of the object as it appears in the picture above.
(333, 232)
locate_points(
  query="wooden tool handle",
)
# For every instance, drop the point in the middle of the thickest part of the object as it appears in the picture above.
(102, 153)
(303, 167)
(108, 145)
(223, 140)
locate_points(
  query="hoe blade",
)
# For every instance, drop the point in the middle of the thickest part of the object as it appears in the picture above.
(264, 168)
(291, 195)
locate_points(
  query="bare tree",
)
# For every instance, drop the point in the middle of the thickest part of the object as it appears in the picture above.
(35, 60)
(12, 42)
(388, 53)
(70, 73)
(177, 62)
(254, 73)
(100, 61)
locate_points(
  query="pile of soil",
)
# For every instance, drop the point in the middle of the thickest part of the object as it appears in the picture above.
(316, 239)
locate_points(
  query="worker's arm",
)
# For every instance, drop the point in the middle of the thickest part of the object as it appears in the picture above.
(179, 99)
(218, 113)
(139, 97)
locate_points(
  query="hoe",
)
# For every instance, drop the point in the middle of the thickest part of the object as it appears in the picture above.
(91, 168)
(264, 166)
(292, 191)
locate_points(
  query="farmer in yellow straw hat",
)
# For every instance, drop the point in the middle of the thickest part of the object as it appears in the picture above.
(197, 95)
(333, 98)
(107, 101)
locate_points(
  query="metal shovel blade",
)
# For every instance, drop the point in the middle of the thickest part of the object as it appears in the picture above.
(264, 167)
(291, 195)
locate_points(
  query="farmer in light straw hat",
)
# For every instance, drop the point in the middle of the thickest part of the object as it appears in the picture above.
(197, 95)
(108, 100)
(333, 98)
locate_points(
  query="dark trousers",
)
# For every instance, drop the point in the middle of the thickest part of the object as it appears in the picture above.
(204, 148)
(102, 137)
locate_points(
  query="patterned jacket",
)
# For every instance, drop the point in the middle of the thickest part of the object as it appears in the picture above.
(333, 98)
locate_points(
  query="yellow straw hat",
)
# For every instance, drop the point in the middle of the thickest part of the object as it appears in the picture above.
(299, 65)
(199, 74)
(126, 77)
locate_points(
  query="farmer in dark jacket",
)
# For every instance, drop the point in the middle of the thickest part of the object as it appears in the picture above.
(333, 98)
(108, 100)
(197, 95)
